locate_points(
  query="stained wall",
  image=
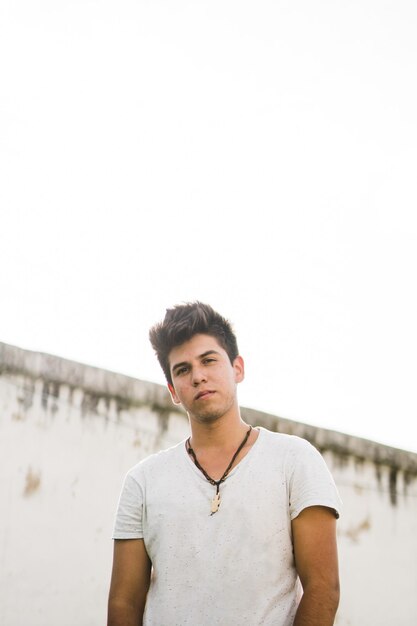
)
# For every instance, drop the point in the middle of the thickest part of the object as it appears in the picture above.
(69, 433)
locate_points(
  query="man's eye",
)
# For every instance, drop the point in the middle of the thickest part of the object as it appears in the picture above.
(181, 370)
(209, 360)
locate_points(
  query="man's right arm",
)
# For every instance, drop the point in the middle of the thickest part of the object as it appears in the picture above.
(129, 583)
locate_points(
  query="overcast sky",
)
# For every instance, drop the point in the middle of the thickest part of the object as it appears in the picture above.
(259, 156)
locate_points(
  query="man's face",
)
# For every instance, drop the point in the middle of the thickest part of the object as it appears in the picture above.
(204, 380)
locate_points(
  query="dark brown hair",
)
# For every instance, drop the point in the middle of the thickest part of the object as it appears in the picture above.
(184, 321)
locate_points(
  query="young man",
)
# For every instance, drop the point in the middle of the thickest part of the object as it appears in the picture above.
(222, 528)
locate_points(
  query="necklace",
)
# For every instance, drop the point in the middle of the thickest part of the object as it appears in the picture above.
(215, 503)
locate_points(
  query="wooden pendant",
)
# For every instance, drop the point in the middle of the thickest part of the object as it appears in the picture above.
(215, 503)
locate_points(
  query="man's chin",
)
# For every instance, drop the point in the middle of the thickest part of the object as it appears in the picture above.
(206, 417)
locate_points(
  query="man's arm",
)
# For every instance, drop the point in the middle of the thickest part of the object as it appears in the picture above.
(315, 552)
(129, 583)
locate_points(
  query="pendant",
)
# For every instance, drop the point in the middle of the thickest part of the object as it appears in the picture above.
(215, 503)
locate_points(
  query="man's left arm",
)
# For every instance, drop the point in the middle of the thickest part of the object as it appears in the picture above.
(315, 552)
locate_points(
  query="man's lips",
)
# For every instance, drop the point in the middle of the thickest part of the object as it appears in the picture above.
(204, 394)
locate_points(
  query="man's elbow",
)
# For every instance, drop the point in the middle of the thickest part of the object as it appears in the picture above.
(333, 592)
(123, 613)
(324, 594)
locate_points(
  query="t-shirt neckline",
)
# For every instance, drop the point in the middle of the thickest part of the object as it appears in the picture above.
(249, 455)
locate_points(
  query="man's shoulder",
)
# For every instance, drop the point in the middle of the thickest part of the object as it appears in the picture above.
(290, 449)
(284, 440)
(157, 460)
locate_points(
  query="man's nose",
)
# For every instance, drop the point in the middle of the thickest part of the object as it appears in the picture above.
(198, 376)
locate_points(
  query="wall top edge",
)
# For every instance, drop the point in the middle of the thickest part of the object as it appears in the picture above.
(94, 380)
(55, 369)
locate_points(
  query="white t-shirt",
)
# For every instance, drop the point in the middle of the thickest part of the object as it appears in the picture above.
(236, 567)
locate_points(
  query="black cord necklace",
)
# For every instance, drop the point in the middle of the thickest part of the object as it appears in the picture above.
(215, 503)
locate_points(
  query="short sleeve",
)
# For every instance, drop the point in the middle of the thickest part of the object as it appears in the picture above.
(310, 481)
(128, 523)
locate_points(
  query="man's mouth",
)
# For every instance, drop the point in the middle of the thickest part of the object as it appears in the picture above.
(204, 394)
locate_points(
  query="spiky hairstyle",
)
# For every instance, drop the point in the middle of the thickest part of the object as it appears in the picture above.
(184, 321)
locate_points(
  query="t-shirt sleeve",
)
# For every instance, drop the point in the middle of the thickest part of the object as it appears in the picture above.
(310, 481)
(128, 523)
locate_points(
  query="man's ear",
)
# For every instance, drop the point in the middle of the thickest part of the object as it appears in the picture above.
(239, 367)
(175, 399)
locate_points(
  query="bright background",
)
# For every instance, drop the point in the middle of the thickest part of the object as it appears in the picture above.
(259, 156)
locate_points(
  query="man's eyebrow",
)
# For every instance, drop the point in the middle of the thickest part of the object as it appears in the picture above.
(207, 353)
(201, 356)
(177, 365)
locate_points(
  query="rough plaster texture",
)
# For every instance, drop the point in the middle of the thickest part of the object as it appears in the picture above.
(69, 433)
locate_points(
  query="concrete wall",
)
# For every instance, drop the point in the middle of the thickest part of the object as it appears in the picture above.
(68, 434)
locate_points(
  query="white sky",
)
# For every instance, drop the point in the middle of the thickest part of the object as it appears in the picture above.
(259, 156)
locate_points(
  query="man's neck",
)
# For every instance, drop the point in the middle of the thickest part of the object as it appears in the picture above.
(221, 434)
(215, 445)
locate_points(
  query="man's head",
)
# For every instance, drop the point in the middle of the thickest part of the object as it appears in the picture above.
(184, 321)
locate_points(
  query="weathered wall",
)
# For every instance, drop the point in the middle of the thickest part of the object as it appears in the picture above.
(68, 434)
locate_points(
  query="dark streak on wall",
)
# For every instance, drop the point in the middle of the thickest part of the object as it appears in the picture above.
(393, 485)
